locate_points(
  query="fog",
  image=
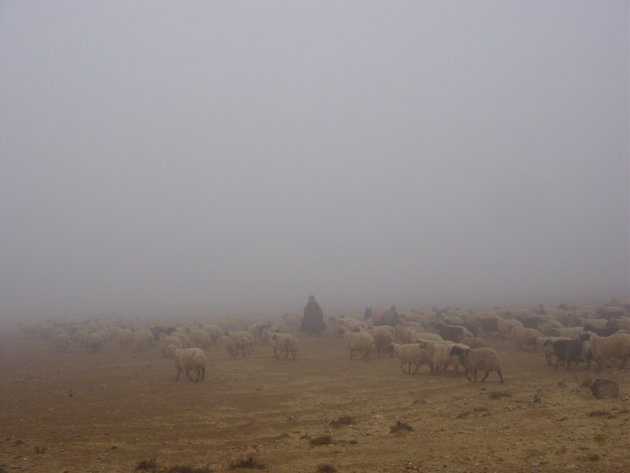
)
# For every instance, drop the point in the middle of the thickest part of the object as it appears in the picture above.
(186, 158)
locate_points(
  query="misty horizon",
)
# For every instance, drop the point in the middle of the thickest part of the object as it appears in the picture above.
(162, 158)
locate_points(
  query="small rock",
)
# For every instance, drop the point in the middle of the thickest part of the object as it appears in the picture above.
(605, 388)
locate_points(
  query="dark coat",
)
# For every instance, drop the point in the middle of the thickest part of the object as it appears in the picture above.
(313, 320)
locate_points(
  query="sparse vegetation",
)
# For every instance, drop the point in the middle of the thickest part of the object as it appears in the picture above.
(326, 469)
(321, 440)
(152, 466)
(144, 465)
(248, 461)
(343, 420)
(400, 427)
(499, 394)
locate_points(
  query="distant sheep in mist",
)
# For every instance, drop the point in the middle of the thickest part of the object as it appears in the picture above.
(187, 360)
(359, 342)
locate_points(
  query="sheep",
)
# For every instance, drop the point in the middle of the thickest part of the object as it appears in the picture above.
(125, 339)
(525, 337)
(605, 349)
(189, 359)
(167, 340)
(284, 343)
(410, 354)
(454, 333)
(474, 342)
(383, 338)
(487, 326)
(345, 323)
(92, 342)
(545, 345)
(574, 333)
(478, 359)
(63, 342)
(438, 353)
(142, 338)
(505, 327)
(239, 342)
(360, 341)
(213, 332)
(570, 350)
(200, 338)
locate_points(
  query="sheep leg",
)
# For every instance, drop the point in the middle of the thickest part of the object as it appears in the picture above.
(500, 376)
(416, 368)
(485, 376)
(467, 373)
(402, 367)
(179, 370)
(188, 374)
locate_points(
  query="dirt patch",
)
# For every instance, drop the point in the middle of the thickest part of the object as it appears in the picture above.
(102, 412)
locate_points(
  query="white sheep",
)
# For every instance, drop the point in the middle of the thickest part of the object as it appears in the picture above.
(92, 342)
(200, 338)
(284, 343)
(189, 359)
(125, 339)
(607, 349)
(439, 354)
(239, 342)
(505, 327)
(526, 337)
(62, 342)
(383, 338)
(142, 339)
(167, 340)
(360, 341)
(411, 355)
(573, 333)
(479, 359)
(214, 333)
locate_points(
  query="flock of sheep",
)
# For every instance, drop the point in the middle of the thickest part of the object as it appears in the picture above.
(440, 339)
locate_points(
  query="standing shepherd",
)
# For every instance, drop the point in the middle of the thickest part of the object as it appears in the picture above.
(313, 320)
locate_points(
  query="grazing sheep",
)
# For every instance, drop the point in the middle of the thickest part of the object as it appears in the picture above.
(607, 349)
(214, 333)
(545, 345)
(200, 338)
(410, 354)
(526, 337)
(478, 359)
(454, 333)
(284, 343)
(474, 342)
(125, 339)
(167, 340)
(62, 342)
(570, 350)
(487, 326)
(383, 338)
(92, 342)
(142, 339)
(574, 333)
(187, 360)
(438, 353)
(507, 326)
(239, 342)
(360, 341)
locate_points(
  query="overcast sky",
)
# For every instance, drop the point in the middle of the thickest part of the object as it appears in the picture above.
(164, 157)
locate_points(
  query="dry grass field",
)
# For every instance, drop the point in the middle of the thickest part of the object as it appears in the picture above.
(118, 411)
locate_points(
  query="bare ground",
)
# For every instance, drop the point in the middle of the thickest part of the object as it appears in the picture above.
(109, 411)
